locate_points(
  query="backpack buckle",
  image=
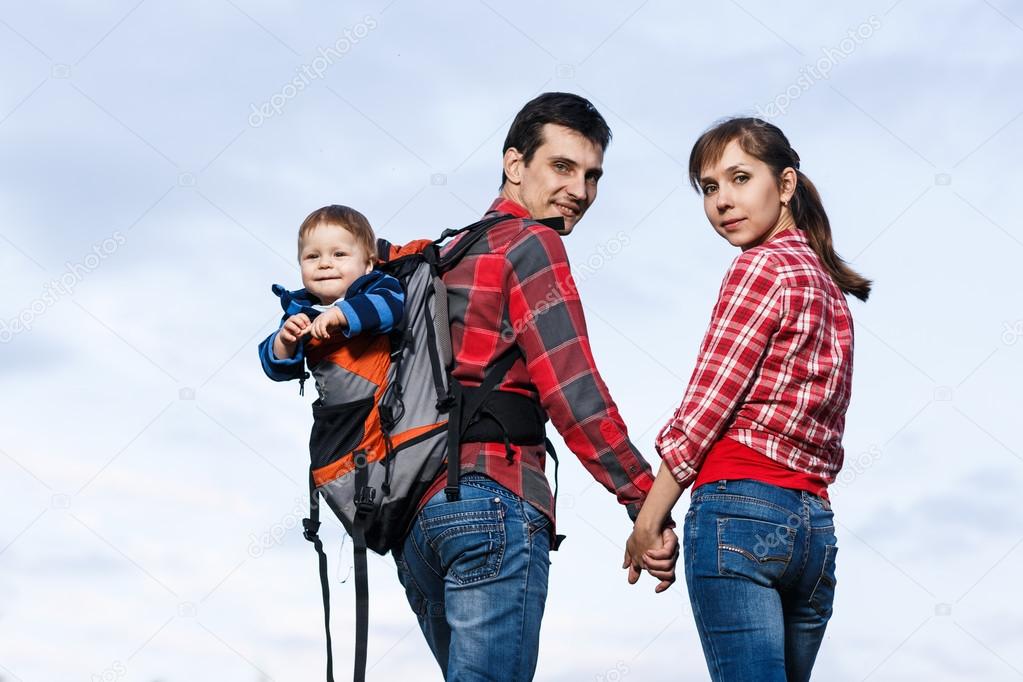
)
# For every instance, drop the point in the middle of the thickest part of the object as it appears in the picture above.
(309, 529)
(364, 500)
(452, 493)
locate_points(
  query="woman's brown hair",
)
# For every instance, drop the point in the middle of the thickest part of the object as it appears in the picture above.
(768, 143)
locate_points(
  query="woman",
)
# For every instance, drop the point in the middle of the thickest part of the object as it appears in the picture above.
(759, 431)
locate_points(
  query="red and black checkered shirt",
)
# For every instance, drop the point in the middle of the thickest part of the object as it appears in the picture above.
(515, 287)
(775, 368)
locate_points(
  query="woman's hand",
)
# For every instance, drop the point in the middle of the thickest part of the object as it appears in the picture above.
(660, 563)
(655, 552)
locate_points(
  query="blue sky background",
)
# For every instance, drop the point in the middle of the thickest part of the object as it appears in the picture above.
(153, 477)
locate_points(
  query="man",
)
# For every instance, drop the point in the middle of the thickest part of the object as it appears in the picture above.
(475, 570)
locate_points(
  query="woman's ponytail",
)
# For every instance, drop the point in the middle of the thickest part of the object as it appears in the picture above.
(808, 214)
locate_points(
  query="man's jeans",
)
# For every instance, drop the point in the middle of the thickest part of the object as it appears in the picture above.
(475, 573)
(760, 567)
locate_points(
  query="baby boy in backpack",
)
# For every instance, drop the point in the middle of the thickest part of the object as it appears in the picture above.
(341, 293)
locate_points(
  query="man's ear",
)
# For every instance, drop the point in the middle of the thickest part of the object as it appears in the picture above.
(513, 165)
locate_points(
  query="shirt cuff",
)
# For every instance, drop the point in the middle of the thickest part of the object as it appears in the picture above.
(674, 458)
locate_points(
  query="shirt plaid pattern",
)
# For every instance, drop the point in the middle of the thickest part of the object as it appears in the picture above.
(775, 367)
(514, 287)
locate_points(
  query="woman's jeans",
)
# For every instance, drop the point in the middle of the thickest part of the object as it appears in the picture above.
(760, 567)
(475, 573)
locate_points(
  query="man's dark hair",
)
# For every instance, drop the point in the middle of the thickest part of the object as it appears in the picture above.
(560, 108)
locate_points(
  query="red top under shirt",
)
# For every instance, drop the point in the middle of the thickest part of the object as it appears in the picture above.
(732, 461)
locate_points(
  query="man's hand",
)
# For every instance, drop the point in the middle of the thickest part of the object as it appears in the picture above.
(286, 341)
(328, 320)
(656, 552)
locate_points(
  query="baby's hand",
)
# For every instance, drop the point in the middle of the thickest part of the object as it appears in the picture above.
(286, 341)
(294, 328)
(330, 319)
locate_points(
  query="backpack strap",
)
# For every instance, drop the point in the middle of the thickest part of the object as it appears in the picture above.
(364, 497)
(558, 538)
(464, 409)
(310, 528)
(465, 406)
(458, 250)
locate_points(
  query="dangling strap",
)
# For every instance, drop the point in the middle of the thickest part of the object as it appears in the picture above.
(364, 497)
(454, 440)
(311, 527)
(558, 539)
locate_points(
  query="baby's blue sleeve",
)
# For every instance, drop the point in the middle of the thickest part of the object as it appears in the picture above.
(278, 369)
(377, 310)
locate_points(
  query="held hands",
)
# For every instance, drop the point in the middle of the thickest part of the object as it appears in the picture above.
(655, 552)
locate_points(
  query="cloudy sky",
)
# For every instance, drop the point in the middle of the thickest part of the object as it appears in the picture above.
(156, 159)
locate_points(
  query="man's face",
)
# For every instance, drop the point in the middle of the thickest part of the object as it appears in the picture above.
(561, 178)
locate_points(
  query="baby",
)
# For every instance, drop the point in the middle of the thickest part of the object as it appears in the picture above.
(342, 291)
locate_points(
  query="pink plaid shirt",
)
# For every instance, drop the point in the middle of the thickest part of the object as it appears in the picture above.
(775, 367)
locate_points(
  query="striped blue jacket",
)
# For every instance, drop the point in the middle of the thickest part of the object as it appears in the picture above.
(374, 304)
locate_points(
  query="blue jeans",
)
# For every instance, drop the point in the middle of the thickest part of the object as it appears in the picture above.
(760, 568)
(475, 573)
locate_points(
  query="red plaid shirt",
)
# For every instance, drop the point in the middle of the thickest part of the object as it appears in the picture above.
(515, 286)
(775, 368)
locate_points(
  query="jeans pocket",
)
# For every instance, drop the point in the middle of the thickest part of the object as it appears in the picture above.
(467, 536)
(754, 549)
(823, 595)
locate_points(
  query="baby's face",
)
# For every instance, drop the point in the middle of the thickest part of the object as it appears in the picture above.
(331, 260)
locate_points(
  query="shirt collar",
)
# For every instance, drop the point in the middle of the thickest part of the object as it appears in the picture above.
(790, 234)
(503, 205)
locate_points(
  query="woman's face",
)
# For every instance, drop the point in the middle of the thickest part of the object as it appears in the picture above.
(742, 198)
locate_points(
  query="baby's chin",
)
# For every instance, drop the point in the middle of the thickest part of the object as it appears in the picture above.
(327, 296)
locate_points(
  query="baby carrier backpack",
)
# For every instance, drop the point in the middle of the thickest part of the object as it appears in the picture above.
(390, 416)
